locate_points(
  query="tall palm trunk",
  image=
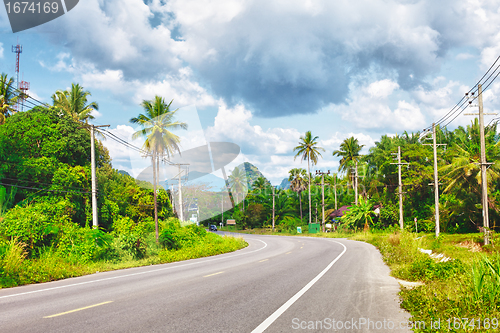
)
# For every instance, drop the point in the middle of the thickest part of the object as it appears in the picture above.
(309, 185)
(154, 195)
(300, 203)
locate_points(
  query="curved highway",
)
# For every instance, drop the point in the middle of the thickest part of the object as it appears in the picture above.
(276, 284)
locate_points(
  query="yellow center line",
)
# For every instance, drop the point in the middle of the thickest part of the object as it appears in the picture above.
(301, 247)
(264, 260)
(288, 252)
(80, 309)
(213, 274)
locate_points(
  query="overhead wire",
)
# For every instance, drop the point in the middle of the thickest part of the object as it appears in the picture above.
(459, 107)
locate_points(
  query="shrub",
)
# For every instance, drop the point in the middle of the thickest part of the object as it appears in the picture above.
(37, 224)
(130, 236)
(84, 245)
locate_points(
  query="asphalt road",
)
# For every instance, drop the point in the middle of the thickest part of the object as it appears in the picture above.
(276, 284)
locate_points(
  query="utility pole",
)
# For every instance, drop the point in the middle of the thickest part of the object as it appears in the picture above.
(273, 206)
(484, 164)
(316, 212)
(356, 184)
(318, 172)
(95, 222)
(400, 187)
(180, 191)
(335, 189)
(180, 188)
(436, 181)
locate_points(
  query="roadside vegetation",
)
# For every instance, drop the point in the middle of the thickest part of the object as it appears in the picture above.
(46, 221)
(461, 288)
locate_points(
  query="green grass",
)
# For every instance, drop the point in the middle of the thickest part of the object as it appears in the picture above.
(16, 269)
(466, 287)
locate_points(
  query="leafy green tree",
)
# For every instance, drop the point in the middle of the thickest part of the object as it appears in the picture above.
(310, 151)
(463, 172)
(74, 103)
(157, 121)
(8, 98)
(37, 143)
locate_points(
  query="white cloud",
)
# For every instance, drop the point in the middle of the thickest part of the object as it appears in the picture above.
(1, 51)
(464, 56)
(233, 124)
(368, 108)
(382, 89)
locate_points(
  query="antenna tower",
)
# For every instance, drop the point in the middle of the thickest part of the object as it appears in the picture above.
(22, 86)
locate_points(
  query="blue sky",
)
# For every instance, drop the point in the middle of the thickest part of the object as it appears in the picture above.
(262, 73)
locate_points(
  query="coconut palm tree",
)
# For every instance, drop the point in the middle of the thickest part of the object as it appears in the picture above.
(260, 184)
(157, 121)
(238, 182)
(73, 103)
(349, 150)
(298, 183)
(7, 97)
(308, 150)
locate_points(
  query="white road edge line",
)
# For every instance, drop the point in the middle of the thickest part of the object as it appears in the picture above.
(134, 274)
(266, 323)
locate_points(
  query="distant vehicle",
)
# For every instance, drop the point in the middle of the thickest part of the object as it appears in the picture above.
(212, 228)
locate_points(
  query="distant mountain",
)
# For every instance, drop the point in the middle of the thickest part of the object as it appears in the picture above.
(285, 184)
(252, 173)
(217, 183)
(197, 178)
(123, 172)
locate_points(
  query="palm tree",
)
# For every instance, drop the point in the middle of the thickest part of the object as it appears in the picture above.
(157, 122)
(238, 182)
(349, 150)
(7, 97)
(260, 184)
(73, 103)
(308, 150)
(298, 184)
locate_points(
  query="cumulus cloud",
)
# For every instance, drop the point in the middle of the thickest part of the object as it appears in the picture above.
(368, 107)
(1, 51)
(181, 87)
(233, 124)
(277, 58)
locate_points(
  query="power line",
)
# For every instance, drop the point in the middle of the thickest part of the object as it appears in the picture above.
(459, 107)
(43, 189)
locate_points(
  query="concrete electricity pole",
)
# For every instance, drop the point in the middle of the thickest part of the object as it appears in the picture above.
(335, 189)
(95, 222)
(436, 181)
(400, 187)
(273, 207)
(180, 189)
(318, 172)
(356, 184)
(484, 164)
